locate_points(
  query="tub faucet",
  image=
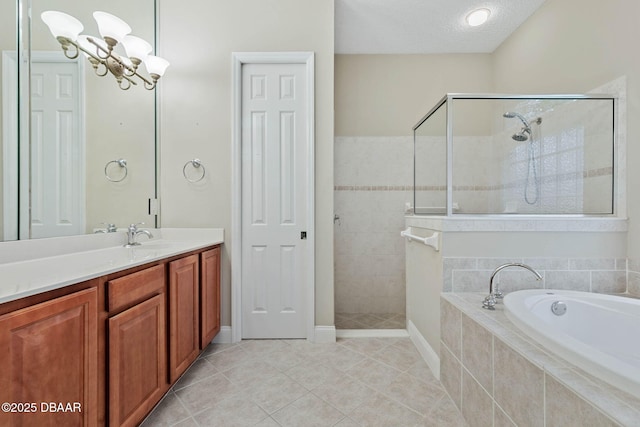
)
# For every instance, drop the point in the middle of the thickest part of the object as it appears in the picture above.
(132, 232)
(490, 301)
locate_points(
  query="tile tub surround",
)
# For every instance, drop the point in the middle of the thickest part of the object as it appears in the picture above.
(488, 365)
(602, 275)
(352, 382)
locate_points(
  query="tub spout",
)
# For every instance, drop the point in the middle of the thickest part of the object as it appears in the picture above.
(494, 294)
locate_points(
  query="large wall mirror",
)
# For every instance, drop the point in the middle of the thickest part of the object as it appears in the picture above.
(77, 152)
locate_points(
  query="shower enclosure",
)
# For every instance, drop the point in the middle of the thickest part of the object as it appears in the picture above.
(516, 154)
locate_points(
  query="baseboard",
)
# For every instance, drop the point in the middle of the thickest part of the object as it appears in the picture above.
(425, 350)
(371, 333)
(325, 334)
(224, 336)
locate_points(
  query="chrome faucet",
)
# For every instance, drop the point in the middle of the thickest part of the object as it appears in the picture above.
(490, 301)
(132, 232)
(110, 228)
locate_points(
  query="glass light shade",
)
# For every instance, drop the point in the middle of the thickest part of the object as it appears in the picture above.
(136, 47)
(87, 45)
(156, 65)
(62, 25)
(478, 17)
(111, 26)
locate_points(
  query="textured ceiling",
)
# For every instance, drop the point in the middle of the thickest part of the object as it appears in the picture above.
(425, 26)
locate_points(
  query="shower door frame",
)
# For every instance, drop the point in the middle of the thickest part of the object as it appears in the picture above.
(617, 209)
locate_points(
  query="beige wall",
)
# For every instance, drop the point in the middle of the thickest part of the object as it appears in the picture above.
(195, 102)
(385, 95)
(574, 46)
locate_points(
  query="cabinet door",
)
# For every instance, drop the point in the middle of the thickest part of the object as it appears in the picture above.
(209, 296)
(50, 355)
(137, 361)
(184, 313)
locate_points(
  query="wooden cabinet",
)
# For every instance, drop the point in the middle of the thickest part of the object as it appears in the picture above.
(107, 349)
(50, 355)
(209, 295)
(184, 314)
(137, 345)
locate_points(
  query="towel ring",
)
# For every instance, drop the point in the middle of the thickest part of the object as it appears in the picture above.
(120, 162)
(197, 164)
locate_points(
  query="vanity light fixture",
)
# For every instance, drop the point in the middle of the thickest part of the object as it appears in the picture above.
(100, 51)
(478, 17)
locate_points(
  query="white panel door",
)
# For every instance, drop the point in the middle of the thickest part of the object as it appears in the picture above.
(275, 181)
(57, 154)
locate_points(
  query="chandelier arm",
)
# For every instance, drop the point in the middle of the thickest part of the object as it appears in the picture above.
(124, 87)
(65, 50)
(98, 49)
(148, 85)
(131, 81)
(97, 67)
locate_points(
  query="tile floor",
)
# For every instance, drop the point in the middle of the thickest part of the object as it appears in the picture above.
(353, 382)
(370, 321)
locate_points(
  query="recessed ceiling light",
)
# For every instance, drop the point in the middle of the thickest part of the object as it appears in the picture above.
(478, 17)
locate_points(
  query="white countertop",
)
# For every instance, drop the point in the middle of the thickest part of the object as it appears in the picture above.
(69, 260)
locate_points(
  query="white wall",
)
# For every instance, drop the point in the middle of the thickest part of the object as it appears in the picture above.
(195, 102)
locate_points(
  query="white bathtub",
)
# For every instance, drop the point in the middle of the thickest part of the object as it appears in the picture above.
(598, 333)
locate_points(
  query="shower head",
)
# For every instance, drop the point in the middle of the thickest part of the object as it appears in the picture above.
(511, 115)
(523, 135)
(520, 136)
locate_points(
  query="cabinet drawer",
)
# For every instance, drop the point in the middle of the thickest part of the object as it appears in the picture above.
(135, 287)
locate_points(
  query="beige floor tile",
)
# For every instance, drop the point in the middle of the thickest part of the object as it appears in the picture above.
(397, 358)
(339, 357)
(251, 372)
(189, 422)
(230, 358)
(200, 370)
(365, 346)
(168, 412)
(213, 348)
(234, 411)
(417, 395)
(374, 374)
(308, 411)
(204, 394)
(344, 393)
(275, 393)
(301, 384)
(445, 414)
(285, 358)
(381, 411)
(311, 374)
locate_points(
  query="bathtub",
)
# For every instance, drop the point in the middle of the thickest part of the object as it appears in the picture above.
(598, 333)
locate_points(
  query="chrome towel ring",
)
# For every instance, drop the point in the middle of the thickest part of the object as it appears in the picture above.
(123, 165)
(197, 164)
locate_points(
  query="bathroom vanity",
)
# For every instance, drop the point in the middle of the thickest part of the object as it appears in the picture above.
(105, 349)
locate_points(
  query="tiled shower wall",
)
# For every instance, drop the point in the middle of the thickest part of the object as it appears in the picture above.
(373, 179)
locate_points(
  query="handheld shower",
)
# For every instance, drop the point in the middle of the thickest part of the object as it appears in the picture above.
(522, 136)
